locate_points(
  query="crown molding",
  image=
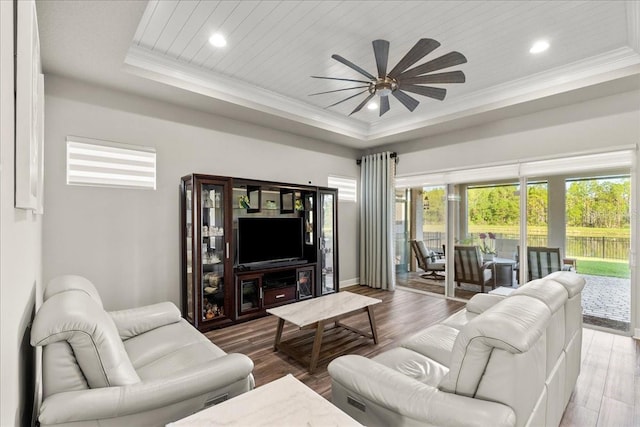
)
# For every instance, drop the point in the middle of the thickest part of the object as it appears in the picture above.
(616, 63)
(142, 62)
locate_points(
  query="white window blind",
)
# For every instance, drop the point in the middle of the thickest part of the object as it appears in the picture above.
(347, 187)
(550, 167)
(104, 163)
(590, 162)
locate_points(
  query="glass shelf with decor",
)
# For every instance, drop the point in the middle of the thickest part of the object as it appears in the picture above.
(328, 249)
(207, 266)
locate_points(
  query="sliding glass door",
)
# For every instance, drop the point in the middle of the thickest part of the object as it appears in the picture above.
(573, 215)
(598, 242)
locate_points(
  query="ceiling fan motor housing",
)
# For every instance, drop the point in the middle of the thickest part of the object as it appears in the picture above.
(384, 86)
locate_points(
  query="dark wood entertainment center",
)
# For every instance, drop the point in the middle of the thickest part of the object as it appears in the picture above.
(219, 288)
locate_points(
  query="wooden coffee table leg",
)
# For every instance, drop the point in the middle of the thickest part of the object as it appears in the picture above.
(317, 342)
(278, 334)
(372, 322)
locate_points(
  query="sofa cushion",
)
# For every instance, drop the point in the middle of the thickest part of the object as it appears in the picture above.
(414, 365)
(72, 283)
(178, 343)
(135, 321)
(479, 303)
(572, 282)
(459, 319)
(75, 317)
(553, 294)
(515, 326)
(435, 342)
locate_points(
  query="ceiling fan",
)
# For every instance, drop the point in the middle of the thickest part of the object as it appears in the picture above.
(401, 79)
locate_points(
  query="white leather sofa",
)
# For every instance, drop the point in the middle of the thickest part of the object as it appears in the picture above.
(140, 367)
(501, 361)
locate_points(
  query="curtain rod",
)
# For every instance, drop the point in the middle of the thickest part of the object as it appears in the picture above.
(394, 155)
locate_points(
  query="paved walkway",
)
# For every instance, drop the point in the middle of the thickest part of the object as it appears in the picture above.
(606, 298)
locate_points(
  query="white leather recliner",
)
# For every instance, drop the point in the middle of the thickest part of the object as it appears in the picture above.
(140, 367)
(501, 361)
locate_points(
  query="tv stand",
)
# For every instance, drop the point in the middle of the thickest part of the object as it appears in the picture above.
(272, 286)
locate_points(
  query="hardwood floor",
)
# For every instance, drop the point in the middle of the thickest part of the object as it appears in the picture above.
(608, 389)
(607, 392)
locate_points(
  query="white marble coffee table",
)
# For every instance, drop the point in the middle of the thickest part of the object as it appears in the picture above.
(318, 312)
(283, 402)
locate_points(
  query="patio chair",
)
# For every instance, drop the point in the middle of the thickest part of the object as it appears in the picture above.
(428, 261)
(469, 267)
(543, 261)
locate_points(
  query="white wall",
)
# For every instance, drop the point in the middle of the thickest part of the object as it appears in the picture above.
(20, 255)
(604, 122)
(127, 241)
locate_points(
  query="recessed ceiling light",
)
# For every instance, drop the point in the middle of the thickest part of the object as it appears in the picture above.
(218, 40)
(372, 106)
(539, 46)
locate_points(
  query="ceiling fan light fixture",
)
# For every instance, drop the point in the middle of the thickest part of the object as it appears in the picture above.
(218, 40)
(402, 78)
(539, 46)
(384, 87)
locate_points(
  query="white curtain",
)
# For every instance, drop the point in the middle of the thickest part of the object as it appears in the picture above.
(377, 199)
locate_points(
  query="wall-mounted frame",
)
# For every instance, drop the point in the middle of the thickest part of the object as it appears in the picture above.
(29, 110)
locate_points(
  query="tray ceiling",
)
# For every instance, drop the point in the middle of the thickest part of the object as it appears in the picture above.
(273, 47)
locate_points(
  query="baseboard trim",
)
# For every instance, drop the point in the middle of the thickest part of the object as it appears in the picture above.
(636, 334)
(350, 282)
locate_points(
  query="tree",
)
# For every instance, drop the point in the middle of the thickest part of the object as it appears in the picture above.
(601, 203)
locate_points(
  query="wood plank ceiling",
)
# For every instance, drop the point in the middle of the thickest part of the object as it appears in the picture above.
(278, 45)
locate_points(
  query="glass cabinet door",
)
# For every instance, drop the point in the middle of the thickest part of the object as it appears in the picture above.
(327, 249)
(213, 251)
(250, 288)
(305, 283)
(188, 248)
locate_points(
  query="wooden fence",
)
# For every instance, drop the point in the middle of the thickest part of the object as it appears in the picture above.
(577, 246)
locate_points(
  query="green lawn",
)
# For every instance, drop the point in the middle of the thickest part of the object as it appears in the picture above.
(599, 267)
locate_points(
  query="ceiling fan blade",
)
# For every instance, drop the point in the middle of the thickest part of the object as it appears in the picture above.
(406, 100)
(353, 66)
(381, 51)
(421, 49)
(363, 103)
(384, 105)
(346, 99)
(450, 77)
(431, 92)
(343, 80)
(338, 90)
(444, 61)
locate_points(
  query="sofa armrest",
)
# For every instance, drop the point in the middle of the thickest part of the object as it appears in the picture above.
(136, 321)
(109, 402)
(398, 393)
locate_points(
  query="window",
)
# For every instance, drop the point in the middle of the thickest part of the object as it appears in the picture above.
(105, 163)
(347, 188)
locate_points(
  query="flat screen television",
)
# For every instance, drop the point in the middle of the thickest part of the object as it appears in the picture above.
(269, 239)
